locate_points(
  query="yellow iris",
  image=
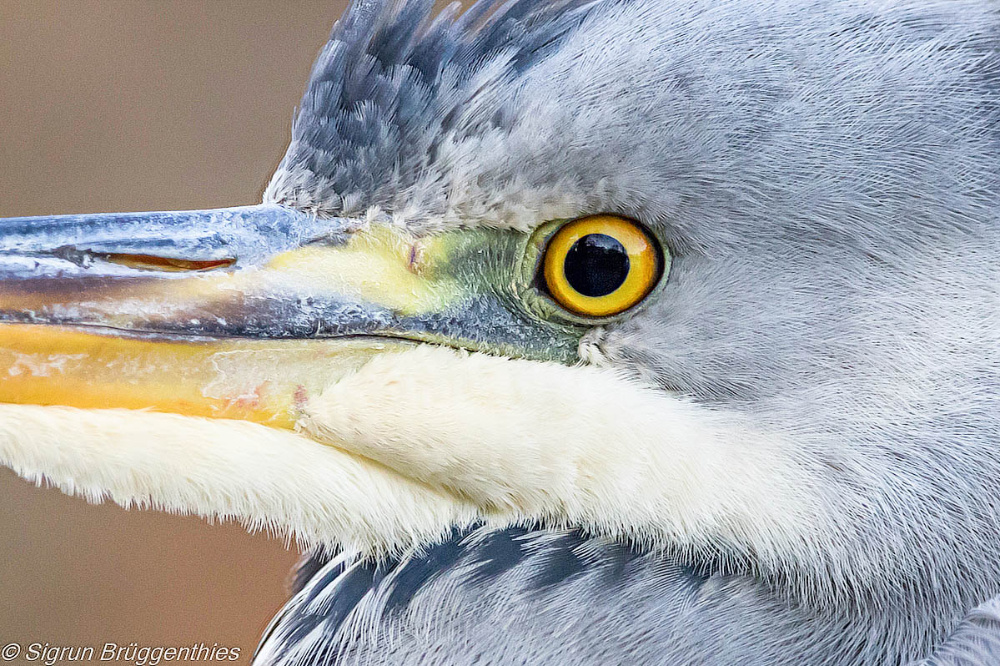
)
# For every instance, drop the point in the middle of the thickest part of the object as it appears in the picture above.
(600, 266)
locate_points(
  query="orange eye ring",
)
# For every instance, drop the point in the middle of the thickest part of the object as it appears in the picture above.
(600, 266)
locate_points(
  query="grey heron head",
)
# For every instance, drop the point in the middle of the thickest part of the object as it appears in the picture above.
(805, 385)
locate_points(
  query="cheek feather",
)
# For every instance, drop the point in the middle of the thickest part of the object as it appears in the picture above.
(528, 441)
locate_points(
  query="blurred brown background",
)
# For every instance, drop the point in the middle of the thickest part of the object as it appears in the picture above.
(141, 105)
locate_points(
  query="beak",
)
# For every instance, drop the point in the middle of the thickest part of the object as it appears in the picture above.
(238, 313)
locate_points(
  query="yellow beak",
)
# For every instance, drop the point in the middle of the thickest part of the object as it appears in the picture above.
(252, 380)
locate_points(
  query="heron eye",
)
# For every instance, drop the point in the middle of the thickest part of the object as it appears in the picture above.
(600, 266)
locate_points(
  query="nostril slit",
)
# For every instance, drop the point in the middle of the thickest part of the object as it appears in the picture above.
(149, 262)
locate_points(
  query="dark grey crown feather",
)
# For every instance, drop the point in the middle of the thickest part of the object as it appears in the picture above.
(388, 85)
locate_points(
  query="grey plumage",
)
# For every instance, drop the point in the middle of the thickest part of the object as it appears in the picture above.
(540, 597)
(391, 87)
(826, 175)
(543, 597)
(975, 641)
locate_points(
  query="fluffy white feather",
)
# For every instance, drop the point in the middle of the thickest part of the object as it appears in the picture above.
(219, 469)
(572, 445)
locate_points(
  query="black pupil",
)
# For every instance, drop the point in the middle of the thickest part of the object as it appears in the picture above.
(596, 265)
